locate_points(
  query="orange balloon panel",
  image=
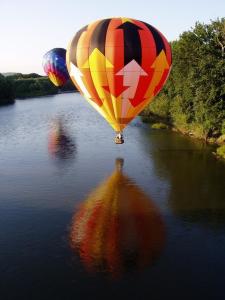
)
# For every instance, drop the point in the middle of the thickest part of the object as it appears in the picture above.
(119, 65)
(118, 227)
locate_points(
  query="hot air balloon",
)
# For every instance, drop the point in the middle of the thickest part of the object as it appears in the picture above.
(54, 64)
(118, 228)
(119, 65)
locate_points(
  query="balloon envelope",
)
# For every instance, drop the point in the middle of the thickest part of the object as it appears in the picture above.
(54, 64)
(119, 65)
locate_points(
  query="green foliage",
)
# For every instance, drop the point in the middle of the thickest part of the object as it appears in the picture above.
(221, 139)
(24, 76)
(31, 87)
(194, 96)
(6, 91)
(223, 127)
(221, 151)
(160, 107)
(159, 126)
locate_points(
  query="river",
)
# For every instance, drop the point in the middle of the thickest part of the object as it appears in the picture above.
(83, 218)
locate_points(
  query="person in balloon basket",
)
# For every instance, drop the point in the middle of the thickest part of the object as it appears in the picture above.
(119, 138)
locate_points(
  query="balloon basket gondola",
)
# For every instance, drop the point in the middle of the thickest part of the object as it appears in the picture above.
(119, 140)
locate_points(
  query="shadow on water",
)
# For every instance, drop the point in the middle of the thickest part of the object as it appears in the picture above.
(118, 228)
(60, 145)
(196, 178)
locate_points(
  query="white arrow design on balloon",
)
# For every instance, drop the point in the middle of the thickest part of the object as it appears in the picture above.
(77, 74)
(131, 74)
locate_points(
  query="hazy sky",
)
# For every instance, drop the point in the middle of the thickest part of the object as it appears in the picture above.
(29, 28)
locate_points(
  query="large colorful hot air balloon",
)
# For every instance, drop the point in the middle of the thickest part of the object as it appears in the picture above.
(118, 228)
(119, 65)
(54, 64)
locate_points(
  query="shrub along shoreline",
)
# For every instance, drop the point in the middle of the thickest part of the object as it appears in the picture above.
(193, 100)
(22, 86)
(159, 123)
(6, 91)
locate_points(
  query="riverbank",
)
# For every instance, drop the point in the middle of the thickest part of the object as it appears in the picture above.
(157, 122)
(6, 102)
(23, 86)
(6, 91)
(34, 86)
(193, 100)
(47, 95)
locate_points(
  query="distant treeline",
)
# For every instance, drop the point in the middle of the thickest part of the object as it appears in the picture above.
(193, 99)
(28, 85)
(6, 90)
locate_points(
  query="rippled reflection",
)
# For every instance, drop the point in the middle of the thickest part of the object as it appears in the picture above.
(118, 228)
(60, 144)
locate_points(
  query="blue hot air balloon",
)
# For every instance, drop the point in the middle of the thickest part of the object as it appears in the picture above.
(54, 64)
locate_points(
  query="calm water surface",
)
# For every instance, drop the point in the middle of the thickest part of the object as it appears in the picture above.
(83, 218)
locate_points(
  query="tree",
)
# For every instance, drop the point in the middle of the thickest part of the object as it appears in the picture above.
(195, 92)
(6, 91)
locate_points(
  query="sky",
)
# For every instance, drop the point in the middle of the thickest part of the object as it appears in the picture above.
(30, 28)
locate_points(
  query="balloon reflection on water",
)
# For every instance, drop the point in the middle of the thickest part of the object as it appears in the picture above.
(60, 144)
(117, 228)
